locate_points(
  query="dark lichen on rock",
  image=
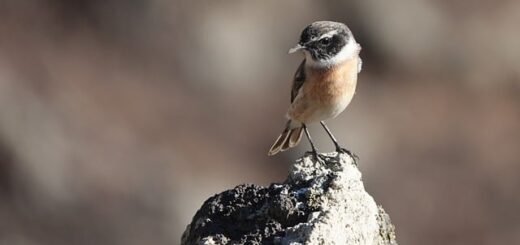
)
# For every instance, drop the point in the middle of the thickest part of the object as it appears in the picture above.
(249, 214)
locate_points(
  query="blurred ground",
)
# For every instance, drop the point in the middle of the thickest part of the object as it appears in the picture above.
(119, 118)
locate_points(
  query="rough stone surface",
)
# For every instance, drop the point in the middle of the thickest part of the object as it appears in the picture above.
(319, 203)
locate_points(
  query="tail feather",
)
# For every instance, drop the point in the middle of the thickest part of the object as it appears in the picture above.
(288, 139)
(296, 136)
(285, 145)
(278, 144)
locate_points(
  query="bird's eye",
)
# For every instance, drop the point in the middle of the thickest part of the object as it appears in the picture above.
(325, 41)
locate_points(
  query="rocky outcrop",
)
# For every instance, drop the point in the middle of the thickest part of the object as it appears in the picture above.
(320, 202)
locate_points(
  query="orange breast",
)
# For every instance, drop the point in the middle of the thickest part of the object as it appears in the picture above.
(325, 93)
(327, 86)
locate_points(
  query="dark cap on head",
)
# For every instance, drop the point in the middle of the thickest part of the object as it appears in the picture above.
(324, 39)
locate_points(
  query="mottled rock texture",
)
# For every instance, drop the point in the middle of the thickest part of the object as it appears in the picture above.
(320, 202)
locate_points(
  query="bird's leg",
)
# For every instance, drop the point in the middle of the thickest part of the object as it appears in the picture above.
(314, 151)
(339, 149)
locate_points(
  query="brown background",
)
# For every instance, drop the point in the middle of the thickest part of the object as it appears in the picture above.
(119, 118)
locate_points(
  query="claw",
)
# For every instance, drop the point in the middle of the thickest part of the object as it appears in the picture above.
(352, 155)
(317, 157)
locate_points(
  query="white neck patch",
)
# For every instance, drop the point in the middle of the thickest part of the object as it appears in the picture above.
(350, 50)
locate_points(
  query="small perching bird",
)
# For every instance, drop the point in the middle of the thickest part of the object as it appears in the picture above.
(324, 83)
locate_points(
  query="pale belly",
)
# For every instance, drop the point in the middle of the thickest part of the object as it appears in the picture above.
(307, 109)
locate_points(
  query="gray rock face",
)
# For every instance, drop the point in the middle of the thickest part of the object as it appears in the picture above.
(319, 203)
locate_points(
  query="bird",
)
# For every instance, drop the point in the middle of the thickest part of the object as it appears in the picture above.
(323, 85)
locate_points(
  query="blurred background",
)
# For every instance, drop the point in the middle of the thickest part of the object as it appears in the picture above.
(119, 118)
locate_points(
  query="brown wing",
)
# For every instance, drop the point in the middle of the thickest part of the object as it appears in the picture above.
(299, 79)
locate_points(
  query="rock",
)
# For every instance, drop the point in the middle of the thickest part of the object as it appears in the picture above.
(319, 203)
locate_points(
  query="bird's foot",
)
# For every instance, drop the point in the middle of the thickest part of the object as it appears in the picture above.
(343, 150)
(317, 157)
